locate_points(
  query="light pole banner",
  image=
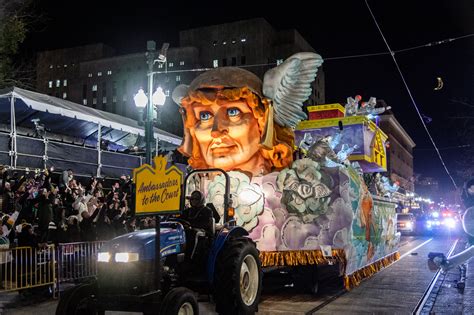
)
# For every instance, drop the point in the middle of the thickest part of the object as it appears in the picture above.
(158, 190)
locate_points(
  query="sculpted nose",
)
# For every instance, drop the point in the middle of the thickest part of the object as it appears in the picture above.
(219, 127)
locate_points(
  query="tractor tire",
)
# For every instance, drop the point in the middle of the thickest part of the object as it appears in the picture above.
(74, 301)
(180, 301)
(238, 278)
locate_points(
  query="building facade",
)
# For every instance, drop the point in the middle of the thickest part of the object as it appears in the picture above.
(95, 76)
(400, 151)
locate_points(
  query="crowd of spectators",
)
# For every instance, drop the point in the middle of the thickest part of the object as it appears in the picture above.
(37, 210)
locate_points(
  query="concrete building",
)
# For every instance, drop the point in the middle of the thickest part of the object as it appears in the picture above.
(95, 76)
(400, 150)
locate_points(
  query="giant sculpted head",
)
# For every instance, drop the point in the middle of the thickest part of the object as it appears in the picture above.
(228, 123)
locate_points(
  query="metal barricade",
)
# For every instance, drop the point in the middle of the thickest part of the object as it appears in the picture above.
(77, 261)
(25, 267)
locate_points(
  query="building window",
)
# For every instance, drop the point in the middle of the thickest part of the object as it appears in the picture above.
(94, 101)
(58, 83)
(215, 63)
(114, 99)
(90, 75)
(124, 98)
(65, 82)
(64, 95)
(234, 61)
(109, 72)
(50, 66)
(94, 87)
(279, 62)
(233, 41)
(50, 84)
(99, 74)
(242, 60)
(224, 42)
(181, 63)
(167, 92)
(214, 43)
(224, 62)
(178, 78)
(160, 65)
(170, 64)
(84, 101)
(65, 66)
(104, 99)
(243, 40)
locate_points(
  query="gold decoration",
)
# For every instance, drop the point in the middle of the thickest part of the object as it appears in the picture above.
(302, 257)
(354, 279)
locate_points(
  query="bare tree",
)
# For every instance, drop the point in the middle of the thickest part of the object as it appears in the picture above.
(16, 18)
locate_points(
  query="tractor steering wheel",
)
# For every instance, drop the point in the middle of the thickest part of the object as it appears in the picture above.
(186, 224)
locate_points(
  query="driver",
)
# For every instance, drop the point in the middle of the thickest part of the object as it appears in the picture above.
(200, 218)
(198, 215)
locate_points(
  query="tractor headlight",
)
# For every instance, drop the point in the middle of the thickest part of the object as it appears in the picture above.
(103, 257)
(126, 257)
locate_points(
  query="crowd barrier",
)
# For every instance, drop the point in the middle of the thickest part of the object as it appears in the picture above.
(25, 268)
(77, 261)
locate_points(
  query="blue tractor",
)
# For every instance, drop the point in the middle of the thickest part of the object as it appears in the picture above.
(223, 263)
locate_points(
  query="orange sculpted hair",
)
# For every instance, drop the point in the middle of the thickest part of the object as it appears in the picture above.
(279, 156)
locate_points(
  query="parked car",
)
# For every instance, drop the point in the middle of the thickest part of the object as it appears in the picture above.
(406, 223)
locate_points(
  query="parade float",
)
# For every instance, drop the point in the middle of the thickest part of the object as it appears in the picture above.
(297, 182)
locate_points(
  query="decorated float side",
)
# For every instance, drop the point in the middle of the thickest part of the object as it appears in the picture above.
(297, 184)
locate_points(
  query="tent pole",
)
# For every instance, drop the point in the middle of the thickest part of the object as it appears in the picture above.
(156, 146)
(99, 156)
(13, 153)
(45, 156)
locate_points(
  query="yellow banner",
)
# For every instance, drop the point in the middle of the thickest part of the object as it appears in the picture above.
(158, 190)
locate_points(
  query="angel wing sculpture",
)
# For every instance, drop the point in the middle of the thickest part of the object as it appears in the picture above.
(289, 85)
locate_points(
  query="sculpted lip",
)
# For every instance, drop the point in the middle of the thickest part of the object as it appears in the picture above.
(222, 149)
(222, 146)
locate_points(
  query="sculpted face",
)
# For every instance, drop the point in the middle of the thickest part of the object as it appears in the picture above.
(228, 135)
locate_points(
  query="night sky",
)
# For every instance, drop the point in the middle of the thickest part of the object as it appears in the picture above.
(334, 28)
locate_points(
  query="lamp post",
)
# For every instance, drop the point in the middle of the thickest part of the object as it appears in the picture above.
(143, 102)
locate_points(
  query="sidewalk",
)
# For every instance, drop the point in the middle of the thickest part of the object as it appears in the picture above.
(468, 302)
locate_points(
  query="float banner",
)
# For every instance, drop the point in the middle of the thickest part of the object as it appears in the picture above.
(158, 190)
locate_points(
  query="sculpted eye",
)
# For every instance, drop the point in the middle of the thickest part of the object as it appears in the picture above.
(232, 112)
(205, 116)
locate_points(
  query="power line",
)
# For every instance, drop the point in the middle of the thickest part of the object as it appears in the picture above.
(445, 148)
(430, 44)
(392, 53)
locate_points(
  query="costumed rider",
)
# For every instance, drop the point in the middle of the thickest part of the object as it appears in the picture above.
(439, 260)
(201, 219)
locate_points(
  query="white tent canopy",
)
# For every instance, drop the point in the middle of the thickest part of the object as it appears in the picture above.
(56, 106)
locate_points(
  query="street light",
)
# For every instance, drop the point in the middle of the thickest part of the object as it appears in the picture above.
(158, 98)
(141, 101)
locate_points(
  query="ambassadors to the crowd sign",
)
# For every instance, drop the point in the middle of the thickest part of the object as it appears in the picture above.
(158, 190)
